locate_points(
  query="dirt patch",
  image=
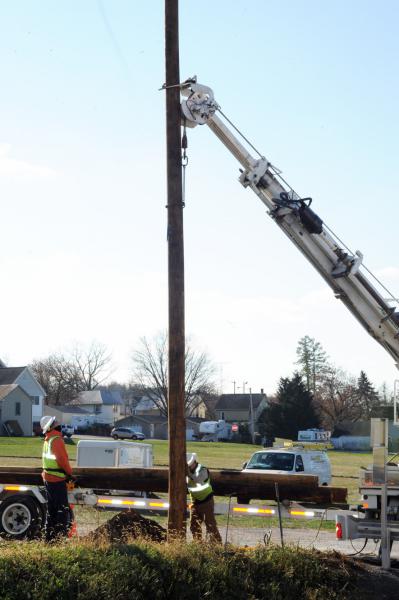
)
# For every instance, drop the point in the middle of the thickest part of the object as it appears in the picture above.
(373, 582)
(367, 580)
(126, 526)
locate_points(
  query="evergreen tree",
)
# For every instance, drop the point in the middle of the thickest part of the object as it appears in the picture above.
(292, 410)
(312, 360)
(367, 396)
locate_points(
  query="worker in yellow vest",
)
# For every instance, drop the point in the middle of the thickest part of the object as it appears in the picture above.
(202, 503)
(56, 472)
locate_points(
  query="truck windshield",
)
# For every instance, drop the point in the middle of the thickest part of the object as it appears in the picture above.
(274, 461)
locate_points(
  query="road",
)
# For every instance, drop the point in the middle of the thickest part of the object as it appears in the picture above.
(305, 538)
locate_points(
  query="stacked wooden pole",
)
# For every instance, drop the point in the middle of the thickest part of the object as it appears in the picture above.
(300, 488)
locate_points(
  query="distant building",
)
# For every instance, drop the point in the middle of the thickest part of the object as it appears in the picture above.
(237, 407)
(147, 405)
(15, 411)
(105, 405)
(69, 414)
(156, 426)
(24, 378)
(356, 436)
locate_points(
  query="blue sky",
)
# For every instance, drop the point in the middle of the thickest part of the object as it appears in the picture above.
(83, 251)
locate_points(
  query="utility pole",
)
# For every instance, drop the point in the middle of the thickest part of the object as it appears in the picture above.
(176, 412)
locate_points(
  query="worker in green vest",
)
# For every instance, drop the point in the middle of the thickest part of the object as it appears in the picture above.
(202, 503)
(56, 473)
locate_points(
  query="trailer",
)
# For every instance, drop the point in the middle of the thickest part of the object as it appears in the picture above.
(214, 431)
(23, 507)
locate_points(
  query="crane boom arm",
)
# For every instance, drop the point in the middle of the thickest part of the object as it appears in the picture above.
(339, 268)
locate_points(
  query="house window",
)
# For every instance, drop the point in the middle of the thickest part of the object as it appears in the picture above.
(17, 409)
(36, 400)
(222, 416)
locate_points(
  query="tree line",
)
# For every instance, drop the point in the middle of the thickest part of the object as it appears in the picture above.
(318, 394)
(63, 375)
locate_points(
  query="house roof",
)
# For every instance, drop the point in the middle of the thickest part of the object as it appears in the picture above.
(10, 374)
(70, 409)
(7, 389)
(239, 401)
(104, 397)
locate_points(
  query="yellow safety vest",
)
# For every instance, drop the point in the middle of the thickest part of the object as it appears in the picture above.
(49, 461)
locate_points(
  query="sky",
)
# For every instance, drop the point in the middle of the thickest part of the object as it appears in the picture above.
(83, 250)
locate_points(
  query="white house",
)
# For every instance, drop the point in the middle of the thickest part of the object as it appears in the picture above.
(24, 378)
(105, 405)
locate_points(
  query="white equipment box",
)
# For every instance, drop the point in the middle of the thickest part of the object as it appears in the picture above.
(99, 453)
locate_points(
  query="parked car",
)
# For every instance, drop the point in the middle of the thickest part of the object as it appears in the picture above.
(67, 430)
(126, 433)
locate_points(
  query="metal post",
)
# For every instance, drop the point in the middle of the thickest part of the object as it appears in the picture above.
(280, 522)
(252, 416)
(176, 412)
(379, 441)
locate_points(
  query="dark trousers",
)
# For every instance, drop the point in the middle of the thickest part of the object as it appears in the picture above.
(204, 512)
(58, 517)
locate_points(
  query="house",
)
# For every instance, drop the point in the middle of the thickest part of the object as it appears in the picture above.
(156, 426)
(24, 378)
(105, 405)
(69, 414)
(15, 411)
(148, 406)
(237, 407)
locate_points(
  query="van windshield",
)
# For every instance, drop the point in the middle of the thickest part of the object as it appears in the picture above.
(273, 461)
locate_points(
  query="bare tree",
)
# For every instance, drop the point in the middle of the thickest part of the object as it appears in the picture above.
(92, 363)
(337, 398)
(150, 366)
(64, 375)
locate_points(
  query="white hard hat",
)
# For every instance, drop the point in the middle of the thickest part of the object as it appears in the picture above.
(47, 423)
(191, 459)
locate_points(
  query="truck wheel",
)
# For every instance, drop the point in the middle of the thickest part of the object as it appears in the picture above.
(20, 518)
(115, 437)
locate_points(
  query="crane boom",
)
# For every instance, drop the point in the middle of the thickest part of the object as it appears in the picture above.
(341, 269)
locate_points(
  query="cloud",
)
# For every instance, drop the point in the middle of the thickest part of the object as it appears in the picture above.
(11, 167)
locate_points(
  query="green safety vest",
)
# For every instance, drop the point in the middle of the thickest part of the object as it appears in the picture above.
(49, 461)
(199, 491)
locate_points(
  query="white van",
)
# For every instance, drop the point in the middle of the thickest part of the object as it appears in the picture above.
(295, 460)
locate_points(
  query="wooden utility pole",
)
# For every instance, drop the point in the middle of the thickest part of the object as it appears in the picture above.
(176, 411)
